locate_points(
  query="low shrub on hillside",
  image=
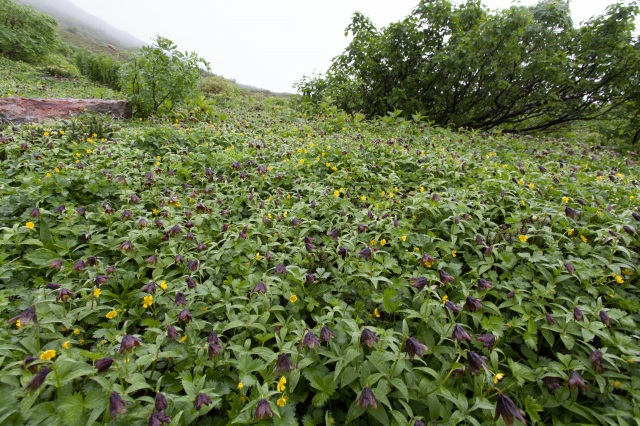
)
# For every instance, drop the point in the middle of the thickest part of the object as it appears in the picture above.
(25, 34)
(217, 85)
(99, 68)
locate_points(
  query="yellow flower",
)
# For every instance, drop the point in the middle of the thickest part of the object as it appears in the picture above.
(416, 249)
(163, 285)
(583, 238)
(391, 195)
(240, 386)
(627, 271)
(363, 198)
(523, 238)
(570, 231)
(531, 185)
(89, 151)
(498, 377)
(57, 170)
(334, 168)
(29, 225)
(383, 242)
(66, 345)
(619, 279)
(18, 324)
(383, 193)
(46, 133)
(97, 292)
(422, 189)
(372, 242)
(258, 257)
(522, 202)
(47, 355)
(453, 253)
(282, 401)
(76, 331)
(285, 214)
(445, 299)
(403, 238)
(376, 313)
(281, 384)
(62, 132)
(565, 200)
(302, 161)
(293, 298)
(48, 175)
(617, 384)
(183, 339)
(327, 164)
(147, 301)
(111, 314)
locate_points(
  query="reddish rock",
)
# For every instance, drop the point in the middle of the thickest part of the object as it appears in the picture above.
(23, 110)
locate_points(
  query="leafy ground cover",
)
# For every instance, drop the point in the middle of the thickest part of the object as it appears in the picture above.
(29, 81)
(270, 266)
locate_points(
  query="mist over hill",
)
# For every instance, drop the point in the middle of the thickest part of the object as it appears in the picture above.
(76, 21)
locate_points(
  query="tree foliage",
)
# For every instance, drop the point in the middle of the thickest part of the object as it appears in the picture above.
(99, 68)
(25, 34)
(159, 77)
(523, 68)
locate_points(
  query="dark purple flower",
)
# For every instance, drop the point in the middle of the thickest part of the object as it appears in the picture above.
(475, 362)
(552, 383)
(103, 364)
(151, 260)
(185, 317)
(326, 334)
(549, 318)
(110, 270)
(107, 208)
(128, 343)
(488, 251)
(134, 199)
(283, 364)
(479, 240)
(28, 359)
(488, 340)
(116, 405)
(444, 277)
(243, 233)
(577, 314)
(629, 230)
(59, 209)
(280, 270)
(596, 361)
(452, 307)
(427, 260)
(56, 264)
(25, 317)
(100, 279)
(161, 402)
(571, 213)
(126, 246)
(172, 333)
(126, 214)
(418, 422)
(334, 234)
(368, 337)
(53, 286)
(459, 334)
(191, 283)
(35, 212)
(179, 260)
(309, 247)
(604, 317)
(263, 409)
(366, 253)
(310, 340)
(159, 418)
(174, 230)
(192, 265)
(362, 227)
(260, 288)
(506, 409)
(576, 381)
(473, 304)
(180, 299)
(484, 284)
(202, 399)
(149, 287)
(39, 378)
(310, 279)
(419, 282)
(343, 252)
(570, 268)
(79, 266)
(414, 347)
(64, 294)
(367, 398)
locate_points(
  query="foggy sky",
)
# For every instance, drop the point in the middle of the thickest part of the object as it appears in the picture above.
(267, 43)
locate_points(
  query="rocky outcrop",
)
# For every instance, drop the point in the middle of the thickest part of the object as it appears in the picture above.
(23, 110)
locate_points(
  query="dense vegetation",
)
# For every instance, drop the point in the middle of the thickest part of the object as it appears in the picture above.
(25, 34)
(236, 259)
(524, 69)
(206, 261)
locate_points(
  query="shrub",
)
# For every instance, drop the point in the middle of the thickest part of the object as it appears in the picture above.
(159, 78)
(25, 34)
(99, 68)
(216, 85)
